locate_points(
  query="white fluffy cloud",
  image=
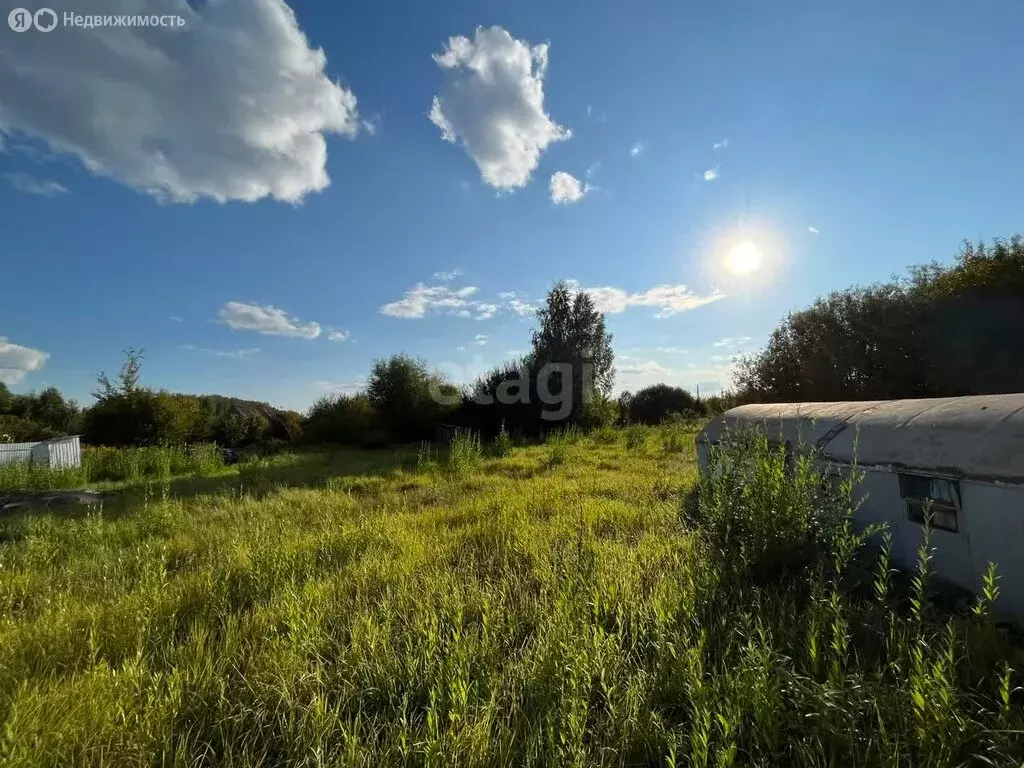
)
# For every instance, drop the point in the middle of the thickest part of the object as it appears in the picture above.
(340, 387)
(17, 361)
(518, 303)
(422, 300)
(721, 144)
(735, 341)
(338, 335)
(672, 299)
(486, 311)
(813, 230)
(566, 188)
(711, 174)
(234, 105)
(236, 354)
(492, 102)
(645, 368)
(637, 149)
(32, 186)
(265, 319)
(447, 277)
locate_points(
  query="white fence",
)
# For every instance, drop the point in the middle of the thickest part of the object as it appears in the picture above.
(59, 452)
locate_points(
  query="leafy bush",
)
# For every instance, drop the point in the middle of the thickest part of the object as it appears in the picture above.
(15, 429)
(560, 444)
(637, 436)
(342, 419)
(765, 508)
(606, 435)
(408, 399)
(557, 455)
(426, 457)
(653, 405)
(676, 440)
(464, 453)
(599, 412)
(502, 444)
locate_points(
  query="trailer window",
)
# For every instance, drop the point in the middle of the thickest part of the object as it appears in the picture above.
(939, 495)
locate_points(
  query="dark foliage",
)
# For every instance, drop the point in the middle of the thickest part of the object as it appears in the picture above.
(342, 419)
(942, 331)
(37, 416)
(572, 333)
(654, 404)
(409, 400)
(127, 413)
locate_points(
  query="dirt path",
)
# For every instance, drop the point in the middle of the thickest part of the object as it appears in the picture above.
(18, 500)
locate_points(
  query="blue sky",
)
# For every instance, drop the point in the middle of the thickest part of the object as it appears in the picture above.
(265, 220)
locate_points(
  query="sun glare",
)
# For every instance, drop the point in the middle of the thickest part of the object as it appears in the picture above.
(744, 258)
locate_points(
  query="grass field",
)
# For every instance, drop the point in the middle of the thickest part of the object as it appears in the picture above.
(564, 604)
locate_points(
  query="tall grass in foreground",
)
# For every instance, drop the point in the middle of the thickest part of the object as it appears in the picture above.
(464, 454)
(567, 617)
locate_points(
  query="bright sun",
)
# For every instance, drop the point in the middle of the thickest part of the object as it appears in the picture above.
(744, 258)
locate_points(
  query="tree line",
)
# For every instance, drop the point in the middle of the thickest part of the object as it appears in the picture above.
(126, 412)
(565, 380)
(938, 331)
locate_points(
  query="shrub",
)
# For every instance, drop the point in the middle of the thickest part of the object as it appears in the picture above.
(636, 437)
(653, 405)
(426, 458)
(560, 444)
(464, 452)
(674, 440)
(767, 509)
(406, 397)
(599, 412)
(15, 429)
(558, 455)
(342, 419)
(502, 445)
(606, 435)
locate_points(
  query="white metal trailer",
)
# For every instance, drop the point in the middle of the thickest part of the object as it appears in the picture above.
(963, 454)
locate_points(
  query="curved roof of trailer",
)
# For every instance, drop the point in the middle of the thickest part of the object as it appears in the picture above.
(979, 436)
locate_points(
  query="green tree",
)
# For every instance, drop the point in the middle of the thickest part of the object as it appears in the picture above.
(6, 399)
(572, 336)
(50, 409)
(343, 419)
(652, 405)
(408, 398)
(126, 413)
(939, 331)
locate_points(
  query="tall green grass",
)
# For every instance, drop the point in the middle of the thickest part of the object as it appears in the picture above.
(114, 464)
(23, 476)
(577, 616)
(117, 464)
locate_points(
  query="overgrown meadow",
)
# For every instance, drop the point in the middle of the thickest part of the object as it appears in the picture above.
(577, 602)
